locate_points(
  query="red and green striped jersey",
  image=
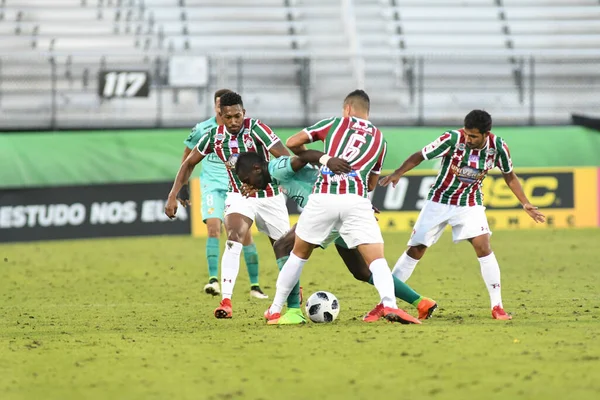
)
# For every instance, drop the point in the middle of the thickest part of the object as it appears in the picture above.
(355, 140)
(463, 169)
(253, 137)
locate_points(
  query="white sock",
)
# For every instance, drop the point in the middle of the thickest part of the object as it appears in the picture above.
(490, 271)
(383, 282)
(287, 279)
(230, 266)
(404, 267)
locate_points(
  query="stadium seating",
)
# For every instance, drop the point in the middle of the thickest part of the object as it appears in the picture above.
(419, 58)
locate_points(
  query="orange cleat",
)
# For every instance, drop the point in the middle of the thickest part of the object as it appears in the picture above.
(398, 315)
(426, 307)
(375, 314)
(224, 309)
(272, 319)
(499, 313)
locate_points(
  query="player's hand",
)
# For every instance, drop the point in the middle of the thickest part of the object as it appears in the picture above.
(184, 196)
(171, 207)
(339, 166)
(248, 191)
(393, 179)
(534, 213)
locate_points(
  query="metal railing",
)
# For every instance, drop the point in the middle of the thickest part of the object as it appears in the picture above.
(60, 91)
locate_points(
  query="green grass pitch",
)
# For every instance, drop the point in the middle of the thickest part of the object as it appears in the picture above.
(126, 319)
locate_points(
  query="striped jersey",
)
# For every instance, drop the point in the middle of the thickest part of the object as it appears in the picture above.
(355, 140)
(463, 170)
(253, 137)
(213, 173)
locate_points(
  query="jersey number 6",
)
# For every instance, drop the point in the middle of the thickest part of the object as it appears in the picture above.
(352, 149)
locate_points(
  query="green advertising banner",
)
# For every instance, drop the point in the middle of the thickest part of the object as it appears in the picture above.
(91, 157)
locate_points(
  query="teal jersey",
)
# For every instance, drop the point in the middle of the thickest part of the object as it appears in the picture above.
(295, 185)
(213, 173)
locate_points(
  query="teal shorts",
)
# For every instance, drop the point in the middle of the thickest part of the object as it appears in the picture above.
(213, 203)
(334, 237)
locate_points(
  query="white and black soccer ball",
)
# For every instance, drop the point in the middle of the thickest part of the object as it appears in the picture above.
(322, 307)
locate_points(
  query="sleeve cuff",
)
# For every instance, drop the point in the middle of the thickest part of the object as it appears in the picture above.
(424, 154)
(273, 143)
(309, 135)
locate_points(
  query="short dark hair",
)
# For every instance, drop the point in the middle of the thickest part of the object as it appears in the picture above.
(220, 93)
(247, 160)
(479, 119)
(231, 99)
(359, 99)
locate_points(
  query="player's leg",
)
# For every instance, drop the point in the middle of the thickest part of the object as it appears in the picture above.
(213, 205)
(283, 247)
(314, 225)
(238, 221)
(428, 228)
(251, 259)
(359, 229)
(471, 224)
(360, 270)
(213, 227)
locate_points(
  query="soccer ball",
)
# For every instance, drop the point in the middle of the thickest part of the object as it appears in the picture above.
(322, 307)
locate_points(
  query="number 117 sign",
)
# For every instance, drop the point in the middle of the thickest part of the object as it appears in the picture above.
(123, 84)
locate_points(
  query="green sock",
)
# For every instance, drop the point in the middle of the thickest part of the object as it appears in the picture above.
(293, 300)
(212, 256)
(251, 257)
(403, 291)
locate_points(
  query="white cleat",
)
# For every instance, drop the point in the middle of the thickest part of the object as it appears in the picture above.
(213, 288)
(257, 293)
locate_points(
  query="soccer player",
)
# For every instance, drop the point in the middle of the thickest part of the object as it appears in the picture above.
(456, 199)
(215, 183)
(296, 179)
(339, 201)
(267, 208)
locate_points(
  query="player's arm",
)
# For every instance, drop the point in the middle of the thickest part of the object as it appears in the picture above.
(514, 184)
(504, 163)
(190, 142)
(408, 164)
(317, 132)
(297, 142)
(184, 193)
(335, 164)
(185, 171)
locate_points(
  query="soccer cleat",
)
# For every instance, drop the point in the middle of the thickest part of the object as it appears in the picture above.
(224, 309)
(293, 316)
(375, 314)
(426, 307)
(272, 319)
(499, 313)
(398, 315)
(212, 287)
(257, 293)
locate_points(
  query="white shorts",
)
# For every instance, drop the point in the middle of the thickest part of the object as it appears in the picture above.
(466, 223)
(270, 214)
(349, 214)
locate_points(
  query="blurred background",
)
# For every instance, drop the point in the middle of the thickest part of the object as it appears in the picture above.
(96, 96)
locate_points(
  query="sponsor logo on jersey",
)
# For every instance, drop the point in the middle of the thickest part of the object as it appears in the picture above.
(467, 174)
(219, 136)
(461, 146)
(473, 158)
(491, 152)
(233, 144)
(327, 171)
(232, 160)
(211, 210)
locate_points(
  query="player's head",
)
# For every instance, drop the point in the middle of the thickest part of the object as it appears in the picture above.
(217, 98)
(253, 170)
(478, 124)
(357, 104)
(231, 110)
